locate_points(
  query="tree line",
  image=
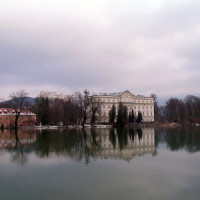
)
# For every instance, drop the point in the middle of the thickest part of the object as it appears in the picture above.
(70, 112)
(180, 110)
(78, 109)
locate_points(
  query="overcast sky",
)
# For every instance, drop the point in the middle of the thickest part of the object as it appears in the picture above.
(143, 46)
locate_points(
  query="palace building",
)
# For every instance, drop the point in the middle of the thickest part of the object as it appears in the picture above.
(131, 101)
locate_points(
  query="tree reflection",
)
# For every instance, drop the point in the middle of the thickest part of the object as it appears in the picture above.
(122, 136)
(11, 141)
(112, 137)
(131, 134)
(86, 144)
(18, 144)
(140, 133)
(182, 138)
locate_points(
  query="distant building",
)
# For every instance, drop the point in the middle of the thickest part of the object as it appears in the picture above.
(137, 103)
(53, 95)
(7, 118)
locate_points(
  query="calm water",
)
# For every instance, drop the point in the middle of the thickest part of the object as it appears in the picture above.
(101, 164)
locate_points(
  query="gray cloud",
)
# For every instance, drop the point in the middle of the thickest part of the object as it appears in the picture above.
(145, 46)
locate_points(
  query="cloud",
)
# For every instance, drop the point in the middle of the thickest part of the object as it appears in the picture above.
(145, 46)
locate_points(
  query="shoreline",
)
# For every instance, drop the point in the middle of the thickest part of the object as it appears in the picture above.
(155, 124)
(167, 124)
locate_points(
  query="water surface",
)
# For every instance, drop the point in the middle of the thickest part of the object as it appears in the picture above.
(140, 163)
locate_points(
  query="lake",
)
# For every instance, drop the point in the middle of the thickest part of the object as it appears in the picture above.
(110, 164)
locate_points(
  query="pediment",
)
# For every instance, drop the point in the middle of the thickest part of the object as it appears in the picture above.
(126, 94)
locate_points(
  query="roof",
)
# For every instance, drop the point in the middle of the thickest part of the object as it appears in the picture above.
(11, 111)
(119, 94)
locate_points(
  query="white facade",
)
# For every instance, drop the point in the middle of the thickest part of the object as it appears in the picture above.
(137, 103)
(53, 95)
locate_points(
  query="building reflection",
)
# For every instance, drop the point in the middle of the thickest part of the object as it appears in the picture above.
(82, 145)
(88, 144)
(125, 143)
(8, 138)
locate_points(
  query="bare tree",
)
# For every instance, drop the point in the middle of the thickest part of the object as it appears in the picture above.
(42, 109)
(85, 104)
(17, 103)
(182, 110)
(172, 111)
(95, 109)
(78, 100)
(156, 107)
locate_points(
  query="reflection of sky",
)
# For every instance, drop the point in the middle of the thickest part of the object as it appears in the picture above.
(169, 175)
